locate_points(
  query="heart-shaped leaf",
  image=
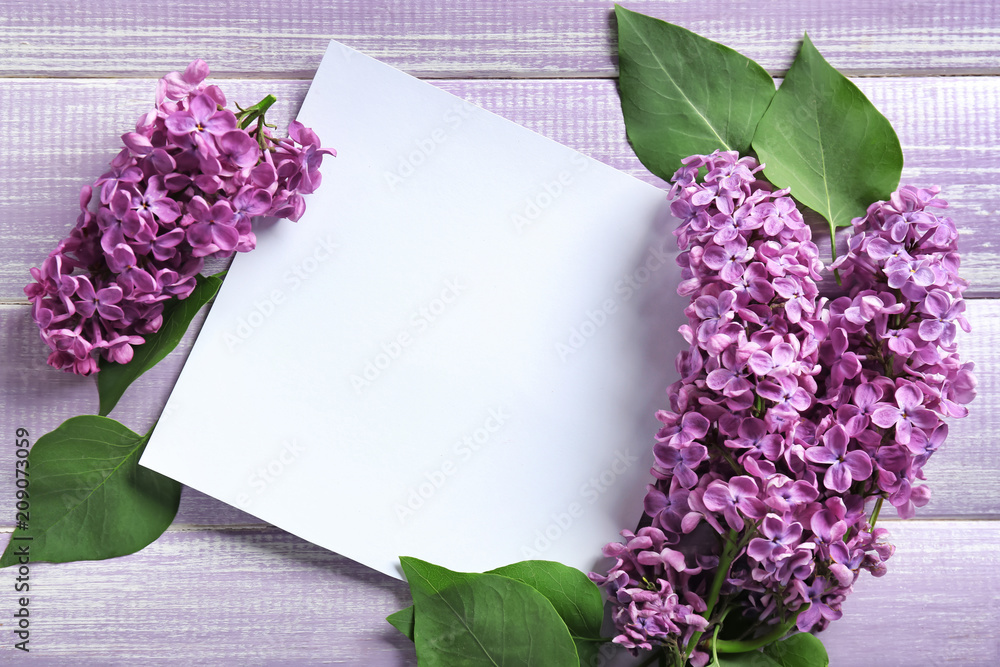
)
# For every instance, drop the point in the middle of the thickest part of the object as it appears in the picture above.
(826, 141)
(113, 379)
(683, 94)
(89, 498)
(483, 619)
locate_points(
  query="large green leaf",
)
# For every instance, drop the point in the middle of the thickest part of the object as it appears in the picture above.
(826, 141)
(113, 379)
(799, 650)
(683, 94)
(749, 659)
(575, 597)
(89, 498)
(483, 619)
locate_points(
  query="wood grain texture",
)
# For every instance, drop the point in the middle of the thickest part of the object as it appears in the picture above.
(61, 134)
(964, 476)
(253, 597)
(220, 587)
(481, 38)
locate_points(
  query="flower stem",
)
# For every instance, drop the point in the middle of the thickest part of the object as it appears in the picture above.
(250, 114)
(833, 253)
(878, 508)
(744, 646)
(729, 551)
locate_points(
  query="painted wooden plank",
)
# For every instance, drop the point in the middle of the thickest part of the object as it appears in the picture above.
(478, 38)
(60, 134)
(964, 477)
(266, 597)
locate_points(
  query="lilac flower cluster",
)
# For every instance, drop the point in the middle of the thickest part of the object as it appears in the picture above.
(791, 413)
(185, 187)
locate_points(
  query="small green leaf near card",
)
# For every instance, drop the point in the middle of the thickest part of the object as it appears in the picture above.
(483, 619)
(402, 620)
(113, 379)
(88, 497)
(826, 141)
(683, 94)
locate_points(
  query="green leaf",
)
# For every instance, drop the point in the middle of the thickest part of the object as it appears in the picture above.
(826, 141)
(575, 597)
(402, 620)
(113, 379)
(483, 619)
(89, 498)
(751, 659)
(683, 94)
(799, 650)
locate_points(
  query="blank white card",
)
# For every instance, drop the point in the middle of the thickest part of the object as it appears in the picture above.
(456, 354)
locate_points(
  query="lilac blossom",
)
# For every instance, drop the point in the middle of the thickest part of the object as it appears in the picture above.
(793, 412)
(185, 187)
(844, 467)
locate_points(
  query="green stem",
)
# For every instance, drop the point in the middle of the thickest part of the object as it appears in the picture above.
(248, 115)
(729, 551)
(878, 508)
(715, 644)
(744, 646)
(833, 253)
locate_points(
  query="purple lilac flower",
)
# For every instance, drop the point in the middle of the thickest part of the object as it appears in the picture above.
(792, 411)
(185, 187)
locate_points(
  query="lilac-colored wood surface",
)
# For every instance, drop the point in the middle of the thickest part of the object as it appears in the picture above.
(222, 588)
(492, 38)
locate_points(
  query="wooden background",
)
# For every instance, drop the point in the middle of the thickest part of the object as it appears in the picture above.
(222, 587)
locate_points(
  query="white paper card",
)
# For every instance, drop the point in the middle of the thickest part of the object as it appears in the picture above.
(456, 354)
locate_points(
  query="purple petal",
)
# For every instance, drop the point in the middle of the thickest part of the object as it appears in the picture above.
(837, 478)
(181, 122)
(221, 122)
(885, 416)
(859, 463)
(908, 397)
(743, 486)
(166, 209)
(821, 455)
